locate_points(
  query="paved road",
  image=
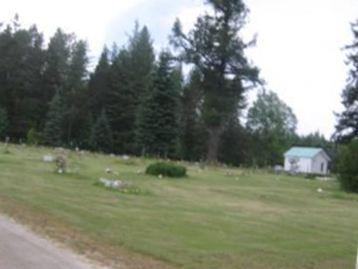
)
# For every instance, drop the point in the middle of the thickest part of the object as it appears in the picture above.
(21, 249)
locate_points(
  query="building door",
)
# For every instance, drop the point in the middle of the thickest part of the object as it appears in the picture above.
(322, 168)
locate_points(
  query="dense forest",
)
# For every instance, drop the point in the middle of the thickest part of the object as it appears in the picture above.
(140, 102)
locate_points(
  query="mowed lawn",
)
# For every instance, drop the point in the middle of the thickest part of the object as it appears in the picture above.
(211, 219)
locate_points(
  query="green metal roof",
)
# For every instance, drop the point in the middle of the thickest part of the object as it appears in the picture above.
(303, 152)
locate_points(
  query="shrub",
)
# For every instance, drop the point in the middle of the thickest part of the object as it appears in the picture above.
(166, 169)
(348, 168)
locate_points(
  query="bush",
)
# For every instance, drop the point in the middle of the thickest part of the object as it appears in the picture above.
(348, 167)
(166, 169)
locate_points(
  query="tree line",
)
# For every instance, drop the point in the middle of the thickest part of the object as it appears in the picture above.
(140, 102)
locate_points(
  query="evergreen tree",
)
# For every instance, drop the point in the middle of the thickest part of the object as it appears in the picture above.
(57, 64)
(101, 135)
(53, 132)
(158, 122)
(235, 144)
(4, 123)
(99, 85)
(347, 166)
(193, 138)
(216, 49)
(75, 95)
(78, 66)
(130, 76)
(316, 140)
(21, 64)
(347, 127)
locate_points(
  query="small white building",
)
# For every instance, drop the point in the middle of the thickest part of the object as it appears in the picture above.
(307, 160)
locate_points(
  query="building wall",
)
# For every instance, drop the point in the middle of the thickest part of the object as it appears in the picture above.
(317, 164)
(304, 165)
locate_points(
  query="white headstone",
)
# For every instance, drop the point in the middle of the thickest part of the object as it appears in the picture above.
(48, 158)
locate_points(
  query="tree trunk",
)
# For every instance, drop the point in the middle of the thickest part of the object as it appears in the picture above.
(213, 145)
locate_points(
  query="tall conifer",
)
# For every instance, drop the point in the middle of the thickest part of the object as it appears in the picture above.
(158, 120)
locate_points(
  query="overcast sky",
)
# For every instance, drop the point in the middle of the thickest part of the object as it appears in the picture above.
(299, 49)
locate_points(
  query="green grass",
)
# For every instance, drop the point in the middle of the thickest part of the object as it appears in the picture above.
(249, 219)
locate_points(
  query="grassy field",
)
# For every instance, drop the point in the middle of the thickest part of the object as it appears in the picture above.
(247, 219)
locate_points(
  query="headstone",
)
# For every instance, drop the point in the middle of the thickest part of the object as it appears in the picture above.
(48, 158)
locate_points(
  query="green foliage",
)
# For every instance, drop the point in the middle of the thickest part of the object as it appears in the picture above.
(101, 135)
(315, 140)
(4, 123)
(193, 137)
(272, 125)
(99, 84)
(166, 169)
(235, 144)
(75, 96)
(347, 127)
(33, 137)
(53, 130)
(130, 80)
(158, 119)
(347, 166)
(215, 48)
(21, 66)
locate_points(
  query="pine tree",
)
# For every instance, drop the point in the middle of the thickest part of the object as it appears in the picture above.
(158, 119)
(21, 64)
(347, 127)
(75, 94)
(4, 123)
(99, 85)
(53, 132)
(101, 135)
(193, 137)
(58, 55)
(216, 49)
(130, 76)
(235, 144)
